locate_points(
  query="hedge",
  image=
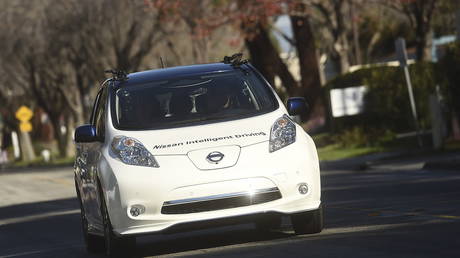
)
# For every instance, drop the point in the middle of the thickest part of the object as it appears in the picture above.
(387, 105)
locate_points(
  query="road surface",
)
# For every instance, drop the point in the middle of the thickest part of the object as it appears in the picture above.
(391, 210)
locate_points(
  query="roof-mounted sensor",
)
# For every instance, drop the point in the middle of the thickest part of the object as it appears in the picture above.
(235, 60)
(118, 75)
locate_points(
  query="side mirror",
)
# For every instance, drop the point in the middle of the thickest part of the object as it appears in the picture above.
(86, 133)
(297, 106)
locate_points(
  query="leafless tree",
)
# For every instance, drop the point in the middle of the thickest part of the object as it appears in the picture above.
(57, 50)
(419, 13)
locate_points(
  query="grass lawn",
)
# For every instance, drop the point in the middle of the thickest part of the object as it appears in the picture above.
(329, 150)
(336, 151)
(40, 162)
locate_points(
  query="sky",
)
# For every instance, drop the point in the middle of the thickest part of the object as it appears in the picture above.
(284, 24)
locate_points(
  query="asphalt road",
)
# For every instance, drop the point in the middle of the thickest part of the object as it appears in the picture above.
(395, 210)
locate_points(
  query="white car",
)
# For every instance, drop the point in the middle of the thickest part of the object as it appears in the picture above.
(181, 147)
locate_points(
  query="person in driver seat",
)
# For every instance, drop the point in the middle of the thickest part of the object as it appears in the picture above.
(216, 99)
(180, 104)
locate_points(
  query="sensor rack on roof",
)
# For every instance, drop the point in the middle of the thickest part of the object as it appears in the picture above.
(235, 60)
(118, 75)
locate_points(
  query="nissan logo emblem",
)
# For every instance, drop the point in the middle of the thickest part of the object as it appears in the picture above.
(214, 157)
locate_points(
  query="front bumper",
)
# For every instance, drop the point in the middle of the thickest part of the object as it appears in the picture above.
(178, 181)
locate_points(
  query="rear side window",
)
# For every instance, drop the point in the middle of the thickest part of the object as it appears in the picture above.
(189, 100)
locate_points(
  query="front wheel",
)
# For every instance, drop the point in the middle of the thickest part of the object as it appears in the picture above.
(309, 222)
(115, 246)
(93, 243)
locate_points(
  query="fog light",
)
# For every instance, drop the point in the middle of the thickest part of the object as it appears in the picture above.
(303, 188)
(136, 210)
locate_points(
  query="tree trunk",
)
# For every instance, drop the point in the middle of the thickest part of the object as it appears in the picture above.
(420, 13)
(70, 147)
(339, 32)
(259, 59)
(266, 59)
(61, 140)
(355, 29)
(422, 48)
(306, 51)
(27, 148)
(341, 56)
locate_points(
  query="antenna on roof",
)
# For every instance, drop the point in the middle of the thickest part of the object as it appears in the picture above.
(162, 63)
(118, 75)
(235, 59)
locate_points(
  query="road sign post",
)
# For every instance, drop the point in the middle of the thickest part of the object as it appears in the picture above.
(401, 53)
(24, 114)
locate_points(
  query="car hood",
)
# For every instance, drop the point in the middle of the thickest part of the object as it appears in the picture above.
(180, 141)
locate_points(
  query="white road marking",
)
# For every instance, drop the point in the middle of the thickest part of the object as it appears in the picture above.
(41, 251)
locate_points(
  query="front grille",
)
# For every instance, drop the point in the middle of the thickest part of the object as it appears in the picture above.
(220, 202)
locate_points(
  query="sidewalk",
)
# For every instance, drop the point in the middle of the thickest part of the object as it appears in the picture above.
(417, 159)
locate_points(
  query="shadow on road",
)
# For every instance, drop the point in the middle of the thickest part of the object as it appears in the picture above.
(205, 239)
(37, 208)
(40, 229)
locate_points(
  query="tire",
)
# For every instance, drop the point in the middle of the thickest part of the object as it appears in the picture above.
(268, 223)
(93, 243)
(115, 246)
(309, 222)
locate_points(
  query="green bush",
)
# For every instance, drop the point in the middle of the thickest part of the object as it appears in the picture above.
(360, 136)
(387, 105)
(387, 101)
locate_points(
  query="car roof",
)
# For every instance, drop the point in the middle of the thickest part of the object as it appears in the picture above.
(173, 72)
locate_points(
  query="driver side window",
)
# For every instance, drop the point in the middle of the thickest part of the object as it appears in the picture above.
(98, 116)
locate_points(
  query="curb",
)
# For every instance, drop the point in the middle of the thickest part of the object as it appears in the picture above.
(434, 160)
(32, 169)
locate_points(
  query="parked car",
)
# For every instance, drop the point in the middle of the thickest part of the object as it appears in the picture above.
(176, 148)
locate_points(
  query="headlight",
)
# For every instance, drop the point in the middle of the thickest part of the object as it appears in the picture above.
(282, 133)
(130, 151)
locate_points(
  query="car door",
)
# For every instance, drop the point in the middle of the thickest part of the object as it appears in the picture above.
(90, 154)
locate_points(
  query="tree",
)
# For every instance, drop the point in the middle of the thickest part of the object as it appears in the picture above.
(197, 31)
(58, 50)
(306, 52)
(419, 13)
(333, 18)
(267, 59)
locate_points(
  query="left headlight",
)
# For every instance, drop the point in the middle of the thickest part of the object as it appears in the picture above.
(282, 133)
(130, 151)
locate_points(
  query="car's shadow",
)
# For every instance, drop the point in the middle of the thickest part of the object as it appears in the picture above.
(205, 239)
(52, 229)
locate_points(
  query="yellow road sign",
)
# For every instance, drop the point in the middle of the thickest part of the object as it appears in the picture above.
(25, 127)
(24, 114)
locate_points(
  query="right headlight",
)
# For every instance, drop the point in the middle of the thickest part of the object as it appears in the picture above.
(282, 133)
(132, 152)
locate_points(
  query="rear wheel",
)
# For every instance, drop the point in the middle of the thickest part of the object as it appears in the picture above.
(93, 243)
(115, 246)
(309, 222)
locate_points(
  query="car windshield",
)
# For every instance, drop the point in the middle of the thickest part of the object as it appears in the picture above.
(184, 101)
